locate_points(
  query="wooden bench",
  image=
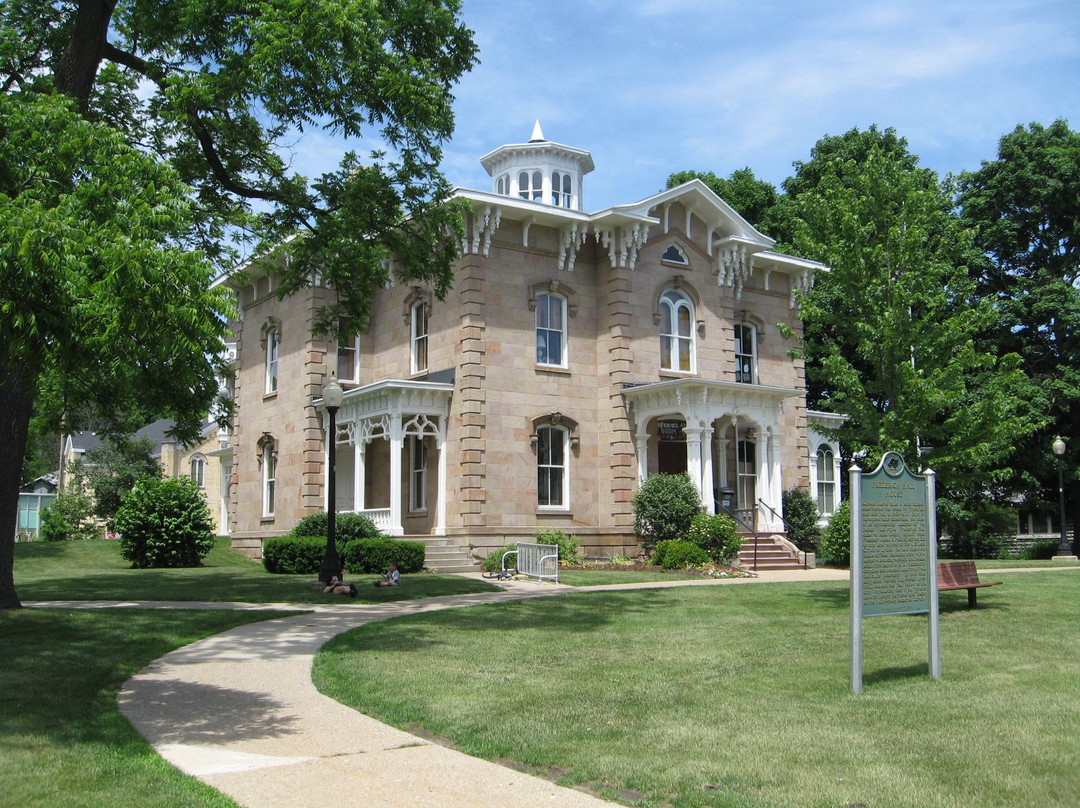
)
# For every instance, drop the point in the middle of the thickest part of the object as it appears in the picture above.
(961, 575)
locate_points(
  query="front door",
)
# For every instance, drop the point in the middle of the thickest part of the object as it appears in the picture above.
(671, 447)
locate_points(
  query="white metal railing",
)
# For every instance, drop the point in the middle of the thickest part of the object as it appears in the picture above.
(380, 516)
(540, 561)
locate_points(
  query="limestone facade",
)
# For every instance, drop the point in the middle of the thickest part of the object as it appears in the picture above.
(576, 354)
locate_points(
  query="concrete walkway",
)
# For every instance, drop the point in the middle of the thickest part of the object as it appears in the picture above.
(239, 711)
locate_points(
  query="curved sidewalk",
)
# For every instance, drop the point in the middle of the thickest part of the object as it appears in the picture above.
(239, 711)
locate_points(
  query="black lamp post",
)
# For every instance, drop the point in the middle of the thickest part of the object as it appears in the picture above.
(1064, 548)
(331, 565)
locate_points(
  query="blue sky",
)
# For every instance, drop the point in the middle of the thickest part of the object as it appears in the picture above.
(656, 86)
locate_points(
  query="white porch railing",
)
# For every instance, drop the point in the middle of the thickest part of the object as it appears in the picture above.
(380, 516)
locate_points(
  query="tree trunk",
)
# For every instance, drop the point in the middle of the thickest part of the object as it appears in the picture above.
(16, 408)
(77, 69)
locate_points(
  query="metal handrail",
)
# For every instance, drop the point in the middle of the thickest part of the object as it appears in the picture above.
(735, 514)
(787, 528)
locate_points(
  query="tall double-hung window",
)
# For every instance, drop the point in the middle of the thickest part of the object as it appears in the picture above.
(551, 330)
(273, 344)
(348, 360)
(419, 337)
(198, 471)
(269, 470)
(551, 467)
(418, 470)
(676, 332)
(745, 354)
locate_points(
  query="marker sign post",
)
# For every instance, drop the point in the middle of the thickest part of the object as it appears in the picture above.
(893, 552)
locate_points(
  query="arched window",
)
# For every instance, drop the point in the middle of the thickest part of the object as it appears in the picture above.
(198, 471)
(419, 337)
(674, 255)
(268, 460)
(531, 185)
(271, 340)
(826, 481)
(745, 353)
(502, 185)
(561, 186)
(676, 332)
(551, 330)
(552, 470)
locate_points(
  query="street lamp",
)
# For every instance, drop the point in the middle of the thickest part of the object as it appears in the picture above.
(1064, 548)
(331, 565)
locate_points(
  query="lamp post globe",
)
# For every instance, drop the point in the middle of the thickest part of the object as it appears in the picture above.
(332, 395)
(1064, 546)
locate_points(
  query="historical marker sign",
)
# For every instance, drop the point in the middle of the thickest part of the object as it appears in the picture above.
(893, 552)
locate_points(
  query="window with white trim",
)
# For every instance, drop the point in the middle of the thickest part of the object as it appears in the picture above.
(419, 337)
(561, 185)
(745, 353)
(676, 332)
(531, 185)
(272, 348)
(826, 481)
(551, 467)
(418, 472)
(198, 471)
(269, 477)
(747, 474)
(348, 360)
(551, 330)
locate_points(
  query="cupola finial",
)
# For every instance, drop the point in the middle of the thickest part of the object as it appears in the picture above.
(537, 135)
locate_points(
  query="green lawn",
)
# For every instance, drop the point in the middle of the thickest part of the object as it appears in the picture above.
(739, 695)
(94, 570)
(600, 577)
(63, 740)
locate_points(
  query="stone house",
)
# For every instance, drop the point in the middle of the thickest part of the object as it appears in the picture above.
(576, 354)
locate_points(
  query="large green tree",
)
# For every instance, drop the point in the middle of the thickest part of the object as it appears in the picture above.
(140, 136)
(1024, 208)
(891, 329)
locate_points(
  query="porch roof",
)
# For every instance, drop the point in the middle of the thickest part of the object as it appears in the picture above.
(702, 400)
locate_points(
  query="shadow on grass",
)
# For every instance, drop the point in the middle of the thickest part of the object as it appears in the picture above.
(916, 671)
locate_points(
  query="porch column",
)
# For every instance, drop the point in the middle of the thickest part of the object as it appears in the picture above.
(396, 443)
(693, 457)
(641, 440)
(764, 484)
(776, 480)
(440, 498)
(707, 498)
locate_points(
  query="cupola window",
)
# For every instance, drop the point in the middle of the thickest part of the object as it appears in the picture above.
(531, 185)
(561, 188)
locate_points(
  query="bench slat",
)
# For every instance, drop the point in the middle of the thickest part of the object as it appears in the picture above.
(954, 575)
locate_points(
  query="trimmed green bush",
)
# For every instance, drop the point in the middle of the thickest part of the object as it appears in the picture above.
(977, 528)
(295, 555)
(677, 554)
(347, 526)
(569, 551)
(717, 535)
(663, 508)
(70, 516)
(1042, 550)
(374, 555)
(836, 541)
(165, 523)
(801, 516)
(493, 561)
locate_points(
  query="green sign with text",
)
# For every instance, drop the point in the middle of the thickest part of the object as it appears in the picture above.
(896, 558)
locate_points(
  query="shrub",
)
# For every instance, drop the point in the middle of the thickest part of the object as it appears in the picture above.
(493, 561)
(70, 516)
(375, 555)
(295, 555)
(347, 526)
(1040, 550)
(976, 529)
(663, 508)
(836, 541)
(164, 523)
(717, 535)
(569, 551)
(801, 515)
(677, 554)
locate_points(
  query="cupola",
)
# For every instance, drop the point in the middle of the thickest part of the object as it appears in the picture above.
(539, 171)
